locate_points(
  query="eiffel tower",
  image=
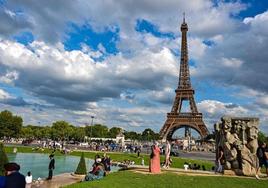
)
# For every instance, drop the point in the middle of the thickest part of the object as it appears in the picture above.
(176, 119)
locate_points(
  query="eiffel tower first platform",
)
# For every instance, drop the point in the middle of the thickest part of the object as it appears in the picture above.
(176, 119)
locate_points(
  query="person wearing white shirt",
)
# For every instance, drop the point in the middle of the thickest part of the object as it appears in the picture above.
(186, 166)
(29, 178)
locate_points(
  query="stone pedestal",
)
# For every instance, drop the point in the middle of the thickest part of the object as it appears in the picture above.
(237, 138)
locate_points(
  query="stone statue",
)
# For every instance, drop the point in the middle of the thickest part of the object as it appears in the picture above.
(239, 139)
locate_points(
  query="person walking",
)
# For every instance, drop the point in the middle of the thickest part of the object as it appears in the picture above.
(167, 154)
(262, 159)
(219, 164)
(154, 166)
(51, 167)
(14, 179)
(138, 151)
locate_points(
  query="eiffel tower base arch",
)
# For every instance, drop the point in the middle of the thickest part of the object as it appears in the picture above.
(175, 122)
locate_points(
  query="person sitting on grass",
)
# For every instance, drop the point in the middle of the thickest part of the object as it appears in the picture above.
(106, 161)
(186, 166)
(97, 172)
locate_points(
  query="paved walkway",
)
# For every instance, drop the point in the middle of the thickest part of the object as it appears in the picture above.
(145, 170)
(58, 181)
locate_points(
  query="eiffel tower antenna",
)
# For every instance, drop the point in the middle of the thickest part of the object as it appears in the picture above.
(184, 92)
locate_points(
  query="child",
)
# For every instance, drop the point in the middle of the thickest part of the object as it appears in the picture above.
(142, 162)
(29, 178)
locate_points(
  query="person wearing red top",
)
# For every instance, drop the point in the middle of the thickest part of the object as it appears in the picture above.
(154, 166)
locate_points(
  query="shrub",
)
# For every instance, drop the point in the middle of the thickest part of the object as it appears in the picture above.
(3, 159)
(81, 168)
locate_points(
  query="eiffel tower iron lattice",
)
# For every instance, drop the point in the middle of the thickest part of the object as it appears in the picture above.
(177, 119)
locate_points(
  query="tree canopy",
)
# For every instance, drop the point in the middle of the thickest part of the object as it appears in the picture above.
(10, 125)
(3, 159)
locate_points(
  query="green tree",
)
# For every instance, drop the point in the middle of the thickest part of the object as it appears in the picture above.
(3, 159)
(78, 133)
(10, 126)
(81, 168)
(35, 132)
(27, 132)
(45, 132)
(262, 138)
(210, 136)
(132, 135)
(61, 130)
(97, 130)
(114, 131)
(148, 134)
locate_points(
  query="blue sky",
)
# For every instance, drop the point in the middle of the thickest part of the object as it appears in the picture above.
(119, 60)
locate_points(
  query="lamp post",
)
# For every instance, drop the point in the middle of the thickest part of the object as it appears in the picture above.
(92, 118)
(148, 136)
(189, 139)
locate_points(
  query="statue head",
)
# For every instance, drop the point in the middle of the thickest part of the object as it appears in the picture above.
(252, 132)
(237, 126)
(227, 124)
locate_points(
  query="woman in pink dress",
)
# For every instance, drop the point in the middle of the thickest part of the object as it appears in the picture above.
(154, 166)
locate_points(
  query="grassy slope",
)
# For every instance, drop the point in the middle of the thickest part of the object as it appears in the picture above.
(135, 180)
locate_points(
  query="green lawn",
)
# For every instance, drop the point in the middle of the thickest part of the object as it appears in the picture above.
(129, 179)
(28, 149)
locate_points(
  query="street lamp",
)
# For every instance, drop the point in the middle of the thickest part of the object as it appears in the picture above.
(148, 140)
(92, 118)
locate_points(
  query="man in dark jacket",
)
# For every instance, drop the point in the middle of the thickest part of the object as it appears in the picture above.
(13, 177)
(262, 158)
(51, 166)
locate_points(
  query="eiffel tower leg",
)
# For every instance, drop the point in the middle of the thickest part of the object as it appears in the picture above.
(193, 105)
(180, 103)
